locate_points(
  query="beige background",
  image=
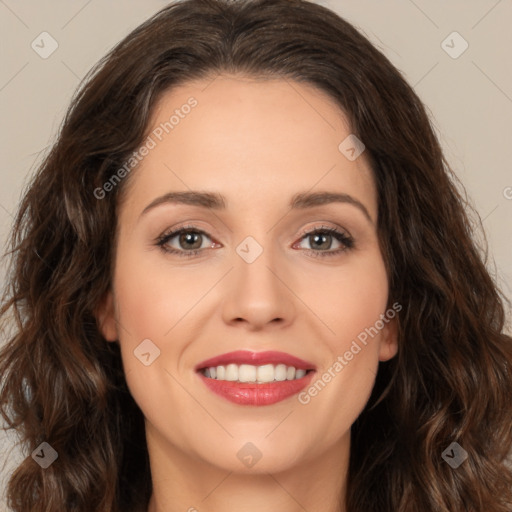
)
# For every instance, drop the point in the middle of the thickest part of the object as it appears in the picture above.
(469, 97)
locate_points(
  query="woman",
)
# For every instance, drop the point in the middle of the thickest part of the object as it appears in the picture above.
(262, 367)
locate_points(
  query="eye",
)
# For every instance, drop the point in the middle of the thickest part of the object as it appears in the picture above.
(189, 239)
(322, 238)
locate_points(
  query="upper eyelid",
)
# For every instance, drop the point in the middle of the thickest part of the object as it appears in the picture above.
(179, 229)
(338, 229)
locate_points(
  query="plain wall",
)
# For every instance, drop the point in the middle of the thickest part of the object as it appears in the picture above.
(469, 97)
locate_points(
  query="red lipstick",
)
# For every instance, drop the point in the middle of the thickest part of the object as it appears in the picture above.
(256, 359)
(252, 393)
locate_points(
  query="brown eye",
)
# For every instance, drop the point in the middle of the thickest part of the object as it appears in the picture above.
(320, 241)
(189, 241)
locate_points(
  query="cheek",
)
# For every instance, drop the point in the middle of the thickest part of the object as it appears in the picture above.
(149, 305)
(352, 307)
(162, 304)
(351, 301)
(153, 298)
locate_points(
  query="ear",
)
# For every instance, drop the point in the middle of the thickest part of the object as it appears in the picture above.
(389, 341)
(106, 318)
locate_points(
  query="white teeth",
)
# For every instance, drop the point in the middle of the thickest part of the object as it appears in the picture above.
(247, 373)
(265, 373)
(290, 373)
(231, 372)
(221, 373)
(280, 372)
(250, 373)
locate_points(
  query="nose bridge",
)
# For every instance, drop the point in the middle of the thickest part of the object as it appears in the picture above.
(258, 293)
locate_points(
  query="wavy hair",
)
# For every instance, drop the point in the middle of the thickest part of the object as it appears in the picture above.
(63, 384)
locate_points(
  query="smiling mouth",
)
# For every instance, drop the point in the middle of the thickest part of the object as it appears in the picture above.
(247, 373)
(246, 377)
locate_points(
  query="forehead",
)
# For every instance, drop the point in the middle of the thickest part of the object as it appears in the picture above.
(253, 138)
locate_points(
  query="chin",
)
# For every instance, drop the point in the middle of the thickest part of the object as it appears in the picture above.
(256, 455)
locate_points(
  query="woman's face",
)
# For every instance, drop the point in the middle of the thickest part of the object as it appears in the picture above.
(256, 282)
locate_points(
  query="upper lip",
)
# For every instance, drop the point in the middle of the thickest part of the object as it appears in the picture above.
(256, 359)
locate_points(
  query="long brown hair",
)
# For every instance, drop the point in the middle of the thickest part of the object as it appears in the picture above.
(63, 384)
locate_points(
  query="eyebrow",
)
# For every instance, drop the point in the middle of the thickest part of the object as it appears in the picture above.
(217, 201)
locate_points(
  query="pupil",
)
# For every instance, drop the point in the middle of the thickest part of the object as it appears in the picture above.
(189, 238)
(319, 237)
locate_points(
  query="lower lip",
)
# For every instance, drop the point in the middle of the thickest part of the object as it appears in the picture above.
(250, 393)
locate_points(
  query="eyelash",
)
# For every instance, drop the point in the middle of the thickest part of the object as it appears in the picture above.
(344, 239)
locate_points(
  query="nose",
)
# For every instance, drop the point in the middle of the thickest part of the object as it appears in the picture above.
(260, 293)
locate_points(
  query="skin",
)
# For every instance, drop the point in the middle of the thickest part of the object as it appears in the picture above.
(257, 142)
